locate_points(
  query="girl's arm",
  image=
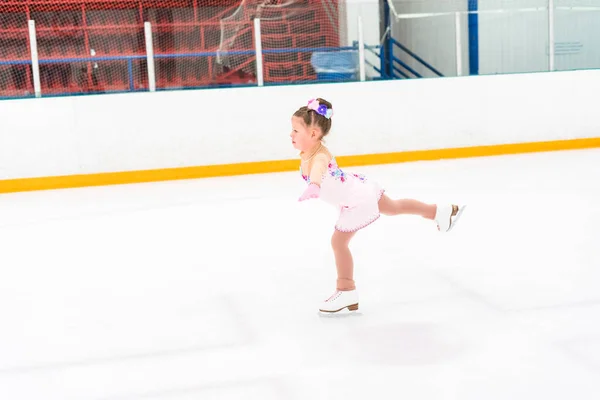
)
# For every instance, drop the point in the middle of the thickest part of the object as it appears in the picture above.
(317, 171)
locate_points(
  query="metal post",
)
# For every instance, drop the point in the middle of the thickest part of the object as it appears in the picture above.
(259, 59)
(473, 24)
(361, 51)
(457, 33)
(35, 64)
(551, 35)
(130, 73)
(387, 48)
(150, 56)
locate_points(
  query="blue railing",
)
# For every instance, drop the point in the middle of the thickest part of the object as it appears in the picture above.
(413, 55)
(131, 58)
(386, 64)
(389, 63)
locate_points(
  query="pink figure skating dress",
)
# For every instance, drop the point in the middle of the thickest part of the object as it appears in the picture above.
(355, 196)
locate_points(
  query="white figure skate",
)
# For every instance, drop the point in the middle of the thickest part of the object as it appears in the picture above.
(340, 300)
(446, 216)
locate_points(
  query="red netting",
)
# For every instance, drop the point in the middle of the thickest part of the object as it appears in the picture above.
(88, 46)
(15, 71)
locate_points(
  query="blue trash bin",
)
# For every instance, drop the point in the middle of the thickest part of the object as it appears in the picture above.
(335, 66)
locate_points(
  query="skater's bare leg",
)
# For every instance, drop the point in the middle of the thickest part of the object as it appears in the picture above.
(389, 206)
(343, 260)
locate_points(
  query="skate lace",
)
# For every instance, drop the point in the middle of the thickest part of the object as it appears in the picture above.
(334, 295)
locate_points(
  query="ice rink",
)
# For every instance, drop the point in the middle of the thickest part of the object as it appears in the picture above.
(209, 289)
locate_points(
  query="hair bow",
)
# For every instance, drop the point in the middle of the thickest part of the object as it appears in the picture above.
(321, 109)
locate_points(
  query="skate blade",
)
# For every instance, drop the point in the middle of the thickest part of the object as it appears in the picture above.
(457, 217)
(352, 307)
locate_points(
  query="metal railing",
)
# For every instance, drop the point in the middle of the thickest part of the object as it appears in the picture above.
(129, 59)
(390, 64)
(35, 61)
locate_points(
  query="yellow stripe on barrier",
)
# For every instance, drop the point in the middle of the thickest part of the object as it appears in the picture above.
(129, 177)
(467, 152)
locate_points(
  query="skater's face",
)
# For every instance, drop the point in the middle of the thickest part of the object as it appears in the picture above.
(303, 137)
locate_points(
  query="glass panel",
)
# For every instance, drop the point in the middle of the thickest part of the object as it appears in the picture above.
(577, 34)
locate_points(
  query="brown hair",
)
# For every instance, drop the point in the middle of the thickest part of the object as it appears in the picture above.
(311, 117)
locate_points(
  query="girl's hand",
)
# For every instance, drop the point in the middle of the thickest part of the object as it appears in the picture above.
(311, 192)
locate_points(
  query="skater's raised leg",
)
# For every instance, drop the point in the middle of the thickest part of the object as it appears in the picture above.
(444, 215)
(388, 206)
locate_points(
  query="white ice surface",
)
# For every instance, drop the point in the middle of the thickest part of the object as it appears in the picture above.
(208, 289)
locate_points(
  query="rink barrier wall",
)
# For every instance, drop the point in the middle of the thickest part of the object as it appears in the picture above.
(130, 177)
(55, 143)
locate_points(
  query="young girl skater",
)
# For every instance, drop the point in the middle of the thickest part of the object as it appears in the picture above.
(359, 200)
